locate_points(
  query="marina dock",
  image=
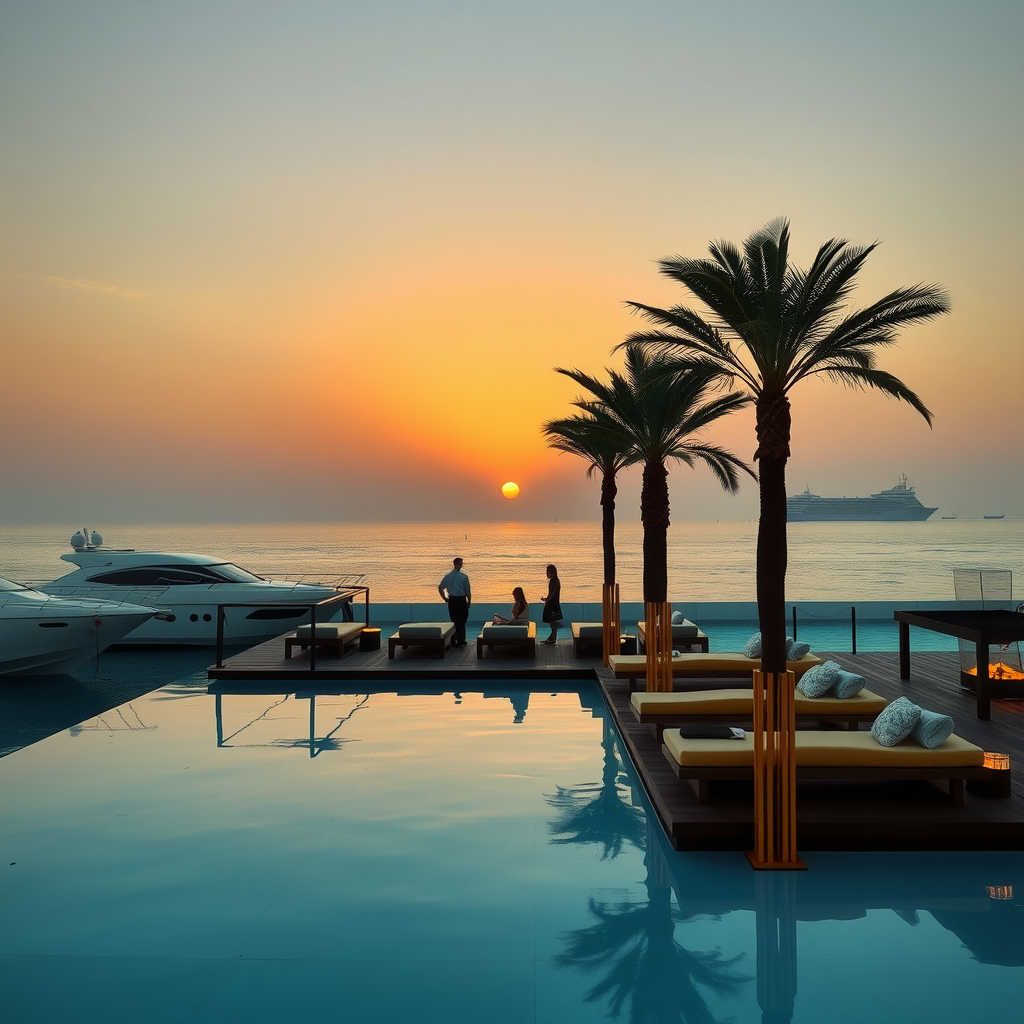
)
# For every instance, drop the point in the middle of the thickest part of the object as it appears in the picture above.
(851, 817)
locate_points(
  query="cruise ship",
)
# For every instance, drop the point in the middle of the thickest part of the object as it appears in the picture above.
(898, 504)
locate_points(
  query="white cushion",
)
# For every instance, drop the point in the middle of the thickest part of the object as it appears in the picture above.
(588, 630)
(329, 630)
(425, 630)
(508, 631)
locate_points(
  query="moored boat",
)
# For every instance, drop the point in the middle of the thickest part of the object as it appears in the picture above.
(189, 588)
(41, 633)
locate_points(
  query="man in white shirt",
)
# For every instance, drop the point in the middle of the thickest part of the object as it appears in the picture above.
(455, 592)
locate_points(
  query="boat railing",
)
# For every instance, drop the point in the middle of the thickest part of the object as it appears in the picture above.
(343, 597)
(315, 578)
(149, 597)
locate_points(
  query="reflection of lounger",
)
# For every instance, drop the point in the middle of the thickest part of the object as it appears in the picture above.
(829, 757)
(520, 638)
(685, 635)
(702, 666)
(736, 707)
(586, 639)
(433, 635)
(336, 636)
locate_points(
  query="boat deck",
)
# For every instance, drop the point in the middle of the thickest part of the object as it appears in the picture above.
(861, 817)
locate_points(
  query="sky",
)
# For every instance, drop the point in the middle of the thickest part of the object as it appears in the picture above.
(317, 261)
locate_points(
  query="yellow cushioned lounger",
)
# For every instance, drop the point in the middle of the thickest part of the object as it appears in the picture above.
(706, 666)
(829, 756)
(737, 707)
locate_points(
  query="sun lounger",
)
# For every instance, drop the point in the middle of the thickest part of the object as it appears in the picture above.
(519, 638)
(702, 666)
(586, 639)
(736, 707)
(336, 636)
(829, 757)
(685, 635)
(435, 636)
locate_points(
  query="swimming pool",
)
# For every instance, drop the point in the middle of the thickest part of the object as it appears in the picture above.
(445, 857)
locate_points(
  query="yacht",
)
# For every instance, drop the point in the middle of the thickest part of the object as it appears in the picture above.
(189, 588)
(41, 633)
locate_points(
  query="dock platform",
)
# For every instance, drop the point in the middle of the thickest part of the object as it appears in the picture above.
(853, 817)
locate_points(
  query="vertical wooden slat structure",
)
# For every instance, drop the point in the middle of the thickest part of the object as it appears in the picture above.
(774, 772)
(610, 619)
(658, 630)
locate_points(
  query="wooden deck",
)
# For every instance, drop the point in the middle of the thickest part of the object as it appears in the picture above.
(863, 817)
(267, 662)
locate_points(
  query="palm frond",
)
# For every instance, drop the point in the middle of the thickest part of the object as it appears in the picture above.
(861, 378)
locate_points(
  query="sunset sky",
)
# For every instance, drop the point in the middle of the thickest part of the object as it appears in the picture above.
(316, 261)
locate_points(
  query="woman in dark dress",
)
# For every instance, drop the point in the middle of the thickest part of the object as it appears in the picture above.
(552, 605)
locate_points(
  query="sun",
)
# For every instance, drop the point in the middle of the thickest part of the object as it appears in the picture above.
(510, 490)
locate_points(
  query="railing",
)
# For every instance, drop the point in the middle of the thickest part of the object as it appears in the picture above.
(853, 624)
(335, 599)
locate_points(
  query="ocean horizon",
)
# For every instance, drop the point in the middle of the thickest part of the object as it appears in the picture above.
(707, 562)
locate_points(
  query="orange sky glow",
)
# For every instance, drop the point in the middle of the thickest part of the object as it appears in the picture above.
(321, 266)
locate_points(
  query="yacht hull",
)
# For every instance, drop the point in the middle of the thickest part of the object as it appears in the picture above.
(60, 641)
(190, 620)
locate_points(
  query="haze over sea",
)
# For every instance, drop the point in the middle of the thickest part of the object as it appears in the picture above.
(403, 562)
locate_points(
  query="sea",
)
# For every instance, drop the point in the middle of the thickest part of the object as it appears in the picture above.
(707, 562)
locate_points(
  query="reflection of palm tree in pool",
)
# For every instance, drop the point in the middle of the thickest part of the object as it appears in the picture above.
(633, 946)
(598, 813)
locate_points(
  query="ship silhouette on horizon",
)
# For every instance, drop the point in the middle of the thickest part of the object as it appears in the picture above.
(897, 504)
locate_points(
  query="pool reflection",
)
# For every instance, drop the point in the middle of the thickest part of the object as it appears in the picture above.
(637, 949)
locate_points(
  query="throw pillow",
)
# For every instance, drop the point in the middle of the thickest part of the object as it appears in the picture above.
(752, 649)
(896, 722)
(848, 684)
(932, 729)
(817, 681)
(677, 618)
(795, 650)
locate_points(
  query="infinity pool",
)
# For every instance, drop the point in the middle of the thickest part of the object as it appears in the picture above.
(445, 857)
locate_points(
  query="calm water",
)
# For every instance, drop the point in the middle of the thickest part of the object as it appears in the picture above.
(707, 561)
(452, 857)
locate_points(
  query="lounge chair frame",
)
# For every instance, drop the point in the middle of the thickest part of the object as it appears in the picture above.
(337, 645)
(662, 720)
(700, 777)
(436, 644)
(525, 645)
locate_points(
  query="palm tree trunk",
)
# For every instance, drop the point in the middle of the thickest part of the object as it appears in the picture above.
(609, 489)
(654, 515)
(773, 432)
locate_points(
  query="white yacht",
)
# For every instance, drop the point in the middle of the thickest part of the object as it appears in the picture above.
(187, 589)
(40, 633)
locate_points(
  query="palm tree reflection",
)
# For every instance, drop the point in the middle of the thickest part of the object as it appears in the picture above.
(632, 945)
(599, 812)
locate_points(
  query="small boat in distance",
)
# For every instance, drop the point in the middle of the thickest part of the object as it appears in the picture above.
(953, 516)
(994, 517)
(897, 504)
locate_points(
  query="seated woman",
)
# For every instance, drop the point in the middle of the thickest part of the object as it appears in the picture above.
(520, 611)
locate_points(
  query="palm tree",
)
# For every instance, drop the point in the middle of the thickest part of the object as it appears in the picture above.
(596, 439)
(662, 414)
(772, 325)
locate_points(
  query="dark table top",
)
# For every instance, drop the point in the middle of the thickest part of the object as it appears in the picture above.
(997, 626)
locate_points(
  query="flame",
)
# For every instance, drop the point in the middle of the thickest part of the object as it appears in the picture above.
(998, 671)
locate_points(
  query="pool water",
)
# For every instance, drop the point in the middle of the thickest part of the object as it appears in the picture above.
(445, 857)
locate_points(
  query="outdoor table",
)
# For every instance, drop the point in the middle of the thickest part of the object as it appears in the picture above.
(982, 628)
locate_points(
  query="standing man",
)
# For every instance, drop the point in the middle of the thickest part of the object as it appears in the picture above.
(455, 592)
